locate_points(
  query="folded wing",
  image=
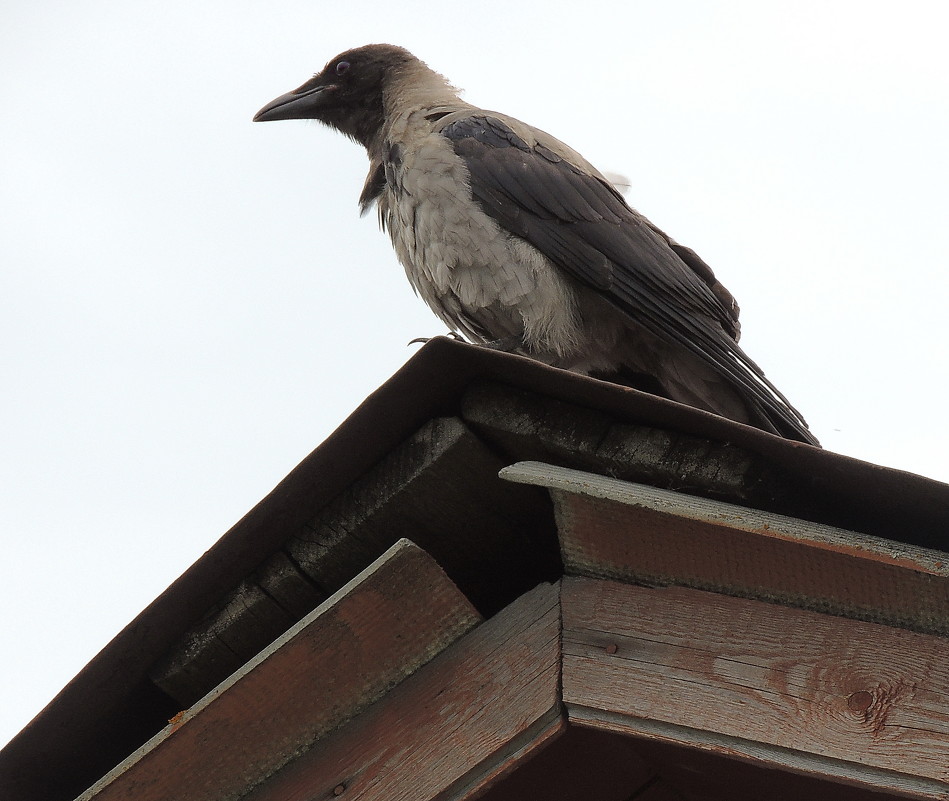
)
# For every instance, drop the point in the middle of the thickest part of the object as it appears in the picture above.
(575, 218)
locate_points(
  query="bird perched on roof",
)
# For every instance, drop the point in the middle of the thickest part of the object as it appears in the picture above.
(513, 239)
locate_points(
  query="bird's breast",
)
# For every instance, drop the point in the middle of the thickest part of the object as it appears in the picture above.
(477, 277)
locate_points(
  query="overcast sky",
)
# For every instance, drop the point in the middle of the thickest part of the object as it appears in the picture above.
(191, 303)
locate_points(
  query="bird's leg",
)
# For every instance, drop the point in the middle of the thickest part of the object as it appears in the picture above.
(422, 340)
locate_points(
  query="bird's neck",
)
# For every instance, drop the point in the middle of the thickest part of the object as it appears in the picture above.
(413, 88)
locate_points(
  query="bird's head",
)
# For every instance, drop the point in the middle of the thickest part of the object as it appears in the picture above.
(348, 94)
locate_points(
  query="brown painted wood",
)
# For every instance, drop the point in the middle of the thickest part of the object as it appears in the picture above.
(579, 764)
(847, 700)
(641, 534)
(527, 425)
(439, 488)
(585, 763)
(694, 775)
(350, 651)
(453, 727)
(243, 625)
(249, 618)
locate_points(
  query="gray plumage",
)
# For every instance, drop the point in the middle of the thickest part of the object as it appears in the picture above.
(514, 239)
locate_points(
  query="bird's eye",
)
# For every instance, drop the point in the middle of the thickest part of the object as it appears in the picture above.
(342, 67)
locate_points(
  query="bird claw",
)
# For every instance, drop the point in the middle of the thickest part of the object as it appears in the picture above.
(505, 345)
(422, 340)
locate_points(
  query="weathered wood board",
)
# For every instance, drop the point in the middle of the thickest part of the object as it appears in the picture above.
(350, 651)
(635, 533)
(454, 726)
(851, 701)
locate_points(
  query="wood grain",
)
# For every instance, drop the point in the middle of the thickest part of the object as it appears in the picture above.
(240, 627)
(528, 425)
(866, 703)
(634, 533)
(452, 728)
(335, 662)
(439, 488)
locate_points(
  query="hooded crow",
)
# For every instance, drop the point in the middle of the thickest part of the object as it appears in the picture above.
(516, 241)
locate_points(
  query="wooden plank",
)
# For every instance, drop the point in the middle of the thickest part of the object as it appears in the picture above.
(706, 776)
(440, 488)
(850, 701)
(527, 425)
(244, 624)
(347, 653)
(631, 532)
(250, 617)
(282, 580)
(580, 764)
(451, 729)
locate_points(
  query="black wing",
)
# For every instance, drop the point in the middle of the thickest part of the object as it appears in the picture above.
(583, 225)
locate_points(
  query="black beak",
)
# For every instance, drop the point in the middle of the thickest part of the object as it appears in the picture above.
(303, 103)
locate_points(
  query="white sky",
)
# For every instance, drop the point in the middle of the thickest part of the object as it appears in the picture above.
(189, 302)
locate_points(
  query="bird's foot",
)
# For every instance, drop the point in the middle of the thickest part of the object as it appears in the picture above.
(422, 340)
(505, 345)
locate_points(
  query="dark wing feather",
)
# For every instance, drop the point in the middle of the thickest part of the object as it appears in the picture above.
(583, 225)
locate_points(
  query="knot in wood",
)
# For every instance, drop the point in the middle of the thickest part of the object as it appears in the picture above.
(859, 702)
(339, 789)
